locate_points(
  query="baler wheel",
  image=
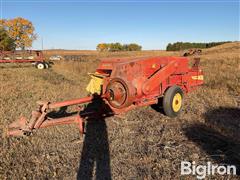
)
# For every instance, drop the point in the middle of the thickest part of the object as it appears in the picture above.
(172, 101)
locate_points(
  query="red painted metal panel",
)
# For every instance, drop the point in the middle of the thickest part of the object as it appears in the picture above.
(12, 55)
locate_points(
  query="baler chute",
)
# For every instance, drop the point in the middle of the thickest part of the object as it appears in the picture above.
(119, 85)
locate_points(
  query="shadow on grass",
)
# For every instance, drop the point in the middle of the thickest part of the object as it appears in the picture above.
(95, 151)
(226, 120)
(214, 137)
(159, 106)
(62, 112)
(95, 157)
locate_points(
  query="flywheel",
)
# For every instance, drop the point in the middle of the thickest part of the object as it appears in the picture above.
(118, 92)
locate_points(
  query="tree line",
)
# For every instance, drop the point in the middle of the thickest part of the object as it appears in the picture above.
(187, 45)
(16, 33)
(113, 47)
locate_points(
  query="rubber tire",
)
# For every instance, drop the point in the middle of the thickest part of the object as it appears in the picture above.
(38, 65)
(167, 101)
(46, 65)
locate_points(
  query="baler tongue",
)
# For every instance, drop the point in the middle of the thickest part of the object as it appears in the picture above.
(40, 119)
(16, 128)
(22, 126)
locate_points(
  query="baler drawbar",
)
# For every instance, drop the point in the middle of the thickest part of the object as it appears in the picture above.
(119, 85)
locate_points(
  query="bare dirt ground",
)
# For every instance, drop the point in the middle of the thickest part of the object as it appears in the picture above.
(142, 145)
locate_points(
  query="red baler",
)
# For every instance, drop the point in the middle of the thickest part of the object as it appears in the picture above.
(119, 85)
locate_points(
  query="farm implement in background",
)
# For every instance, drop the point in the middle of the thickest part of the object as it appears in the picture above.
(30, 56)
(192, 52)
(117, 86)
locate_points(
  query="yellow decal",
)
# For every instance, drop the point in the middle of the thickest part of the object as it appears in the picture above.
(200, 77)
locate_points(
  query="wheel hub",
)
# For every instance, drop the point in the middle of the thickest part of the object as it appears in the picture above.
(177, 102)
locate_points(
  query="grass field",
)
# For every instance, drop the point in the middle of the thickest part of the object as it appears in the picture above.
(144, 144)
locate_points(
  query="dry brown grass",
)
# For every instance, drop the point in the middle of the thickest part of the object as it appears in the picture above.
(143, 145)
(109, 54)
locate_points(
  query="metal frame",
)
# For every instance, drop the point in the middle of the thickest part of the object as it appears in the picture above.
(39, 56)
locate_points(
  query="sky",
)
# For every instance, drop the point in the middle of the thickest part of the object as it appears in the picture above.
(77, 24)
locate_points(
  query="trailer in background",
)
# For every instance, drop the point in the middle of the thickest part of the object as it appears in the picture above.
(35, 57)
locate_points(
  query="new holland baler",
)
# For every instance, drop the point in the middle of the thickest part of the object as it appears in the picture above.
(120, 85)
